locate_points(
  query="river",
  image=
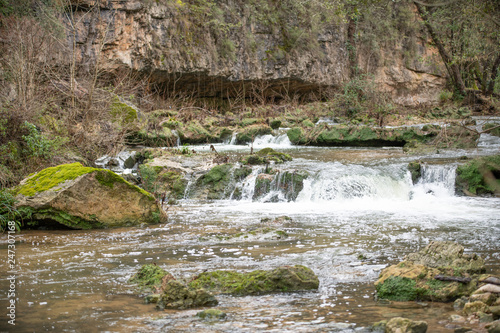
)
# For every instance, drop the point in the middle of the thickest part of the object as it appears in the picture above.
(357, 213)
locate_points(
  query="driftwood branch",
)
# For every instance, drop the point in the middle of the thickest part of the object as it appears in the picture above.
(453, 278)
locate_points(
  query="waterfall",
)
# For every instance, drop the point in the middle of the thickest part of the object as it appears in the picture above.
(436, 179)
(339, 182)
(178, 141)
(271, 141)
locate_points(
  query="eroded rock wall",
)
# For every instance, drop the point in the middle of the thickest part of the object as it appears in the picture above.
(239, 53)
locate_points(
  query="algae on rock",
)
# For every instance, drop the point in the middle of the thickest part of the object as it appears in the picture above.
(281, 279)
(415, 278)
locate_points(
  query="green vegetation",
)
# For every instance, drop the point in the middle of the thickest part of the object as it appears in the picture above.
(479, 176)
(149, 275)
(51, 177)
(398, 289)
(282, 279)
(9, 213)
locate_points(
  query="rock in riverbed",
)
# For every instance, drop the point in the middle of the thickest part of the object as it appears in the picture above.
(81, 197)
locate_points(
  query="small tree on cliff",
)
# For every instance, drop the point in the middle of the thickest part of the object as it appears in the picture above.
(467, 36)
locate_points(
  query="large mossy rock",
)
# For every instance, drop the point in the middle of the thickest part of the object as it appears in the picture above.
(480, 176)
(415, 278)
(81, 197)
(281, 279)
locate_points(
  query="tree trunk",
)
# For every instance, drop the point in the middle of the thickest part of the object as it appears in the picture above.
(494, 73)
(351, 46)
(452, 68)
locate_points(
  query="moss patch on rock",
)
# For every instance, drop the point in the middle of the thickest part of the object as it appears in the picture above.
(414, 278)
(281, 279)
(265, 156)
(480, 176)
(176, 295)
(51, 177)
(149, 275)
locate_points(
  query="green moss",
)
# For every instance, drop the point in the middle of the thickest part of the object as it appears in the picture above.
(66, 219)
(282, 279)
(275, 123)
(211, 314)
(51, 177)
(295, 135)
(149, 275)
(476, 176)
(415, 169)
(398, 289)
(217, 174)
(122, 112)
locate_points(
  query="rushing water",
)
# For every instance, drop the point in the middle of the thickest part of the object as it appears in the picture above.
(357, 213)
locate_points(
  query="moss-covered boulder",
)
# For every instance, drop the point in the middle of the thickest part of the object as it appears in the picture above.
(167, 292)
(176, 295)
(479, 176)
(415, 278)
(215, 183)
(266, 156)
(166, 180)
(405, 325)
(281, 279)
(81, 197)
(219, 182)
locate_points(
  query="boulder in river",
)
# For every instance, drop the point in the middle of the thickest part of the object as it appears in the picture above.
(440, 272)
(81, 197)
(281, 279)
(404, 325)
(479, 176)
(168, 292)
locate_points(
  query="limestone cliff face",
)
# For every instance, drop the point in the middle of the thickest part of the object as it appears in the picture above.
(235, 50)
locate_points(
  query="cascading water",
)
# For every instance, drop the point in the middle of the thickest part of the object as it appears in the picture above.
(271, 141)
(178, 139)
(437, 179)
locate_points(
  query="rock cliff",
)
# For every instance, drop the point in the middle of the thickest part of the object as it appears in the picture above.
(260, 49)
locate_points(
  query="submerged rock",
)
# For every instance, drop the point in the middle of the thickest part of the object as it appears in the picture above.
(404, 325)
(281, 279)
(415, 278)
(211, 314)
(81, 197)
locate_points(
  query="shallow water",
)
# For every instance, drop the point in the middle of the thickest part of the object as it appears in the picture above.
(358, 213)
